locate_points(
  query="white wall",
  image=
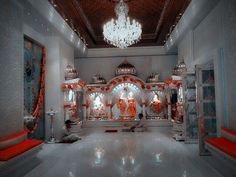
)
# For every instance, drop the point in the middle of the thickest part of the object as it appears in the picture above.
(229, 28)
(185, 51)
(215, 39)
(145, 60)
(15, 22)
(59, 54)
(11, 68)
(47, 17)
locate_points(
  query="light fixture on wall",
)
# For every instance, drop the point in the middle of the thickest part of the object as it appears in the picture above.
(122, 32)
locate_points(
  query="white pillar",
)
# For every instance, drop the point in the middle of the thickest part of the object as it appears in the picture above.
(109, 103)
(169, 105)
(144, 108)
(84, 106)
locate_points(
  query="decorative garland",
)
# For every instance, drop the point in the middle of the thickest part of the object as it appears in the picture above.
(74, 85)
(174, 82)
(39, 102)
(126, 78)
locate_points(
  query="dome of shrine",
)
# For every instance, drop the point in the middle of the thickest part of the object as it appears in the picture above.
(153, 78)
(126, 68)
(98, 79)
(180, 69)
(70, 73)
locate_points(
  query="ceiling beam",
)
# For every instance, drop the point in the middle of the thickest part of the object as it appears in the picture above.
(86, 21)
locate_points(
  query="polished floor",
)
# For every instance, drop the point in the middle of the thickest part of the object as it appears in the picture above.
(123, 154)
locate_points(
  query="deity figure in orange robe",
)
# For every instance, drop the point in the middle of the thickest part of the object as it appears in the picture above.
(121, 104)
(131, 107)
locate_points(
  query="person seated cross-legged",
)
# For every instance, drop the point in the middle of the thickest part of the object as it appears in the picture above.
(67, 136)
(139, 124)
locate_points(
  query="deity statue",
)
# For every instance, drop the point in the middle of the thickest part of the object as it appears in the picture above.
(121, 104)
(156, 103)
(98, 103)
(127, 104)
(131, 105)
(98, 107)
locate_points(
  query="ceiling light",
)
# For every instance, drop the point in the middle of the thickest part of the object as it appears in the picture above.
(122, 32)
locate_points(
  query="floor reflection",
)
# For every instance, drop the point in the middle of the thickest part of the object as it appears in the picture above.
(147, 154)
(99, 154)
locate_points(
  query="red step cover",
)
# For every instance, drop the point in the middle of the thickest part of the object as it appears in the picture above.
(229, 131)
(12, 151)
(14, 135)
(224, 145)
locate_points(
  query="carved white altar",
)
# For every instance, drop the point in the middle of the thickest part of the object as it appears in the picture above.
(125, 96)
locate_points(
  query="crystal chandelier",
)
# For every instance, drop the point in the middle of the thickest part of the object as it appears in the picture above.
(122, 32)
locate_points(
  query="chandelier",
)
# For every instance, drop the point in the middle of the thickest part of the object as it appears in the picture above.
(122, 32)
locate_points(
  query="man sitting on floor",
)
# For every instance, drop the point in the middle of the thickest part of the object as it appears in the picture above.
(139, 124)
(67, 136)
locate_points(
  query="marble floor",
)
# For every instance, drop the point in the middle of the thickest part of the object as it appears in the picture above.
(123, 154)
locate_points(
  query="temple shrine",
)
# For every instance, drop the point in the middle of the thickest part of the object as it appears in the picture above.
(117, 88)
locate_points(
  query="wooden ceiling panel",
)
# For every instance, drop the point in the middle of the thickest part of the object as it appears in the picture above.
(98, 13)
(171, 19)
(87, 17)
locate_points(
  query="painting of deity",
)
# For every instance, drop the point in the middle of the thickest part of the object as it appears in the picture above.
(33, 54)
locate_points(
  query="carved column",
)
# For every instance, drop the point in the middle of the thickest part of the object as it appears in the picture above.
(143, 104)
(84, 106)
(169, 104)
(109, 104)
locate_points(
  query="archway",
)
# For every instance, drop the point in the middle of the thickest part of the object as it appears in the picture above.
(126, 101)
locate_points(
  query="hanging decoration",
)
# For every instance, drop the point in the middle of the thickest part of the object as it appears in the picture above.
(34, 80)
(39, 102)
(79, 84)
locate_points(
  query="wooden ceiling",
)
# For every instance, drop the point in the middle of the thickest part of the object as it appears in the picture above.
(87, 18)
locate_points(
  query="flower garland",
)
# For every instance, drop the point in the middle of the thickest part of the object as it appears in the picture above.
(174, 82)
(74, 85)
(126, 78)
(39, 102)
